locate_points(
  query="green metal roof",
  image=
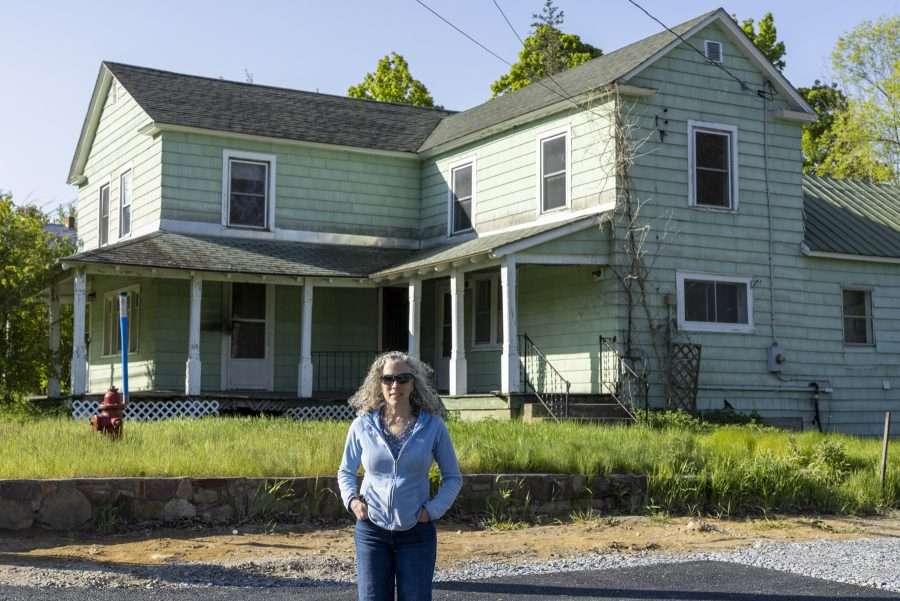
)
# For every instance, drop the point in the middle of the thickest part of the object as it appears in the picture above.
(851, 217)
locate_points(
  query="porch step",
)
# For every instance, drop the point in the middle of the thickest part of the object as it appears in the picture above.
(584, 412)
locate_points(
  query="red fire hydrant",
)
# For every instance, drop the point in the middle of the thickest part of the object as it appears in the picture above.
(111, 410)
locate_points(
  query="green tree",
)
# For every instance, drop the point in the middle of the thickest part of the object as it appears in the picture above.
(867, 62)
(828, 101)
(546, 51)
(765, 38)
(28, 263)
(392, 82)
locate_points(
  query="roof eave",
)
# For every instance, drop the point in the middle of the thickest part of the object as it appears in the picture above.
(89, 127)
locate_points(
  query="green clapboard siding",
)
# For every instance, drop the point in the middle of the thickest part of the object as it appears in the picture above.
(316, 189)
(118, 147)
(506, 172)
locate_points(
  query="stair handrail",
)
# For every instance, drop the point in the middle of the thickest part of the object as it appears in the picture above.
(623, 368)
(543, 395)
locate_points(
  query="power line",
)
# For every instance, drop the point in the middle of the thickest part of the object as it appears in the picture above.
(470, 38)
(743, 85)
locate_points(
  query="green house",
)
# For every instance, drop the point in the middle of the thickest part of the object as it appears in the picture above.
(637, 227)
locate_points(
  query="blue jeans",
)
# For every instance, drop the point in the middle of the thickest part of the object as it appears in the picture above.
(384, 557)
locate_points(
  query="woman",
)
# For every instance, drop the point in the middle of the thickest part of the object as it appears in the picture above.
(396, 435)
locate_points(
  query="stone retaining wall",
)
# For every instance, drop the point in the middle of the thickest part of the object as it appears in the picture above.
(113, 503)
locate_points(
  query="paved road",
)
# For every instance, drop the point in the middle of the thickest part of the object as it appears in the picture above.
(695, 581)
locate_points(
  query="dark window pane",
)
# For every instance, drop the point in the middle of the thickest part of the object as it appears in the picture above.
(125, 223)
(447, 335)
(554, 155)
(462, 182)
(248, 210)
(731, 303)
(248, 340)
(462, 212)
(134, 321)
(856, 330)
(499, 316)
(855, 304)
(104, 215)
(712, 150)
(713, 188)
(555, 191)
(483, 311)
(699, 300)
(248, 301)
(248, 178)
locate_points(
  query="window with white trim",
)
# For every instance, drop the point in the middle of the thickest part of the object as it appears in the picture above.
(104, 214)
(487, 312)
(462, 193)
(714, 303)
(554, 184)
(112, 334)
(125, 193)
(857, 315)
(713, 164)
(248, 189)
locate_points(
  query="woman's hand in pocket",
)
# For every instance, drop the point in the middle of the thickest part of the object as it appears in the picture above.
(360, 509)
(423, 516)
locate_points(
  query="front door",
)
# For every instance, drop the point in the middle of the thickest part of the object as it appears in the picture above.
(394, 319)
(443, 336)
(249, 351)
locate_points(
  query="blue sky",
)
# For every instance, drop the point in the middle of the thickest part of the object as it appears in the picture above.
(52, 51)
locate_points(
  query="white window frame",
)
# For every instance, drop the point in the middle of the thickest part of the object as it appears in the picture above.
(706, 44)
(709, 326)
(870, 316)
(545, 136)
(135, 326)
(496, 339)
(721, 129)
(100, 229)
(126, 169)
(459, 164)
(229, 155)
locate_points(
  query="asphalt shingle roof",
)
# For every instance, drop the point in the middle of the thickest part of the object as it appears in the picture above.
(851, 217)
(240, 255)
(188, 100)
(591, 75)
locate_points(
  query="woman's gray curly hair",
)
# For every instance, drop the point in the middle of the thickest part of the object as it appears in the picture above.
(369, 398)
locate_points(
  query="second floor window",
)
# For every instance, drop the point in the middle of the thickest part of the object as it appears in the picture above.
(713, 177)
(554, 181)
(104, 214)
(125, 204)
(248, 193)
(461, 195)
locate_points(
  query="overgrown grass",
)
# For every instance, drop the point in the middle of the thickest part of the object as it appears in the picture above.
(692, 468)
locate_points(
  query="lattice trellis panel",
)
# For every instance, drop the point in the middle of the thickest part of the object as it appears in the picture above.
(142, 411)
(319, 412)
(684, 375)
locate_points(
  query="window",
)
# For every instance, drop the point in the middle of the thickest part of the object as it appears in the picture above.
(487, 312)
(714, 303)
(554, 176)
(104, 214)
(125, 204)
(248, 189)
(462, 192)
(713, 160)
(857, 311)
(112, 335)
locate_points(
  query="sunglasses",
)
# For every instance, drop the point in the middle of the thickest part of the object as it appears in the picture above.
(404, 378)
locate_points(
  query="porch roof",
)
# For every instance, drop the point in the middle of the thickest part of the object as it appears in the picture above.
(168, 250)
(488, 244)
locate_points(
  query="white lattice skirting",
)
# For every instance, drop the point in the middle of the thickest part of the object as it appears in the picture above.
(153, 411)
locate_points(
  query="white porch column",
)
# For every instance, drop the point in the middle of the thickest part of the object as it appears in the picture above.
(415, 322)
(78, 368)
(305, 368)
(458, 370)
(509, 360)
(53, 380)
(192, 371)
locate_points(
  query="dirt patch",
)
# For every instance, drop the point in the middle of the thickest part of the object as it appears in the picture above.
(457, 542)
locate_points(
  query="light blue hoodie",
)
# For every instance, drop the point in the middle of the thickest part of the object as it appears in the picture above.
(395, 490)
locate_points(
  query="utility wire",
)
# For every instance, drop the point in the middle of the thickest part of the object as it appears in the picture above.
(743, 85)
(470, 38)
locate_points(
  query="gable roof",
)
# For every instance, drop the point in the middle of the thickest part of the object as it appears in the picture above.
(851, 217)
(618, 66)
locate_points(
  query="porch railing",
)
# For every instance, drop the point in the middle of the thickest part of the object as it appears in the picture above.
(623, 378)
(543, 380)
(340, 371)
